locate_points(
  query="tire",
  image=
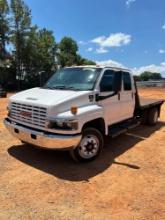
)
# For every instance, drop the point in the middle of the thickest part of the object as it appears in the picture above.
(153, 116)
(144, 118)
(90, 146)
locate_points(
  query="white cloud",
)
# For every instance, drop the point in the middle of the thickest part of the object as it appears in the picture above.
(161, 51)
(136, 70)
(114, 40)
(89, 49)
(101, 50)
(151, 68)
(110, 63)
(98, 40)
(82, 42)
(129, 2)
(163, 26)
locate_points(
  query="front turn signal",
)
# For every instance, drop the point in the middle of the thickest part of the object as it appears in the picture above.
(74, 110)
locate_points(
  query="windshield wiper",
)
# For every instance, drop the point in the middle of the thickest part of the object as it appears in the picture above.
(53, 87)
(62, 88)
(65, 87)
(59, 87)
(46, 87)
(72, 88)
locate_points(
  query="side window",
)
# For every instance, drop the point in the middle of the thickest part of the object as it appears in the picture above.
(127, 81)
(107, 81)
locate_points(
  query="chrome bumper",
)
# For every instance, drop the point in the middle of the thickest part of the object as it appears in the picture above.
(42, 139)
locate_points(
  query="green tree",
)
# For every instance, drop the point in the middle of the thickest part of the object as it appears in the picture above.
(145, 76)
(68, 55)
(88, 62)
(137, 78)
(21, 23)
(67, 52)
(5, 58)
(85, 61)
(39, 55)
(4, 28)
(35, 54)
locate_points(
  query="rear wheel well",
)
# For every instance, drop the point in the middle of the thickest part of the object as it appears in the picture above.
(98, 123)
(145, 113)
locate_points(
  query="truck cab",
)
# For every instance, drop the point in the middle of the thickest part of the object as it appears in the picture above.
(77, 108)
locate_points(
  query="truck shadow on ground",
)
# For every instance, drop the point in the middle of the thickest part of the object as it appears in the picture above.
(59, 163)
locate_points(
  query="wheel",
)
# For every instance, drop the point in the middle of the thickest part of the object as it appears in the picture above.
(144, 118)
(153, 117)
(89, 147)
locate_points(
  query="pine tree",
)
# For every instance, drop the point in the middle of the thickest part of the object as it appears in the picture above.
(21, 23)
(4, 28)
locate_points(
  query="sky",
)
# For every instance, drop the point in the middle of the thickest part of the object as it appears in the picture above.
(127, 33)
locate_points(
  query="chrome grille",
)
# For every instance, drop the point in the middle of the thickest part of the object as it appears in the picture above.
(28, 114)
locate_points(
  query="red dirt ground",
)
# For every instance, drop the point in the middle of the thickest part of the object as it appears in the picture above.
(127, 182)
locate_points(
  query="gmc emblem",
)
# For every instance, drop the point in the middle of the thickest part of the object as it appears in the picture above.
(26, 114)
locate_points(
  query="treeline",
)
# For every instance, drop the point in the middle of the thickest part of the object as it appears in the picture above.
(146, 76)
(30, 55)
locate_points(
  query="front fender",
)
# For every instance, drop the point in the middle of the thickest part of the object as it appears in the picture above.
(84, 115)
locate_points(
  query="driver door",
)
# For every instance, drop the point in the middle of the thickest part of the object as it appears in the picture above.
(110, 95)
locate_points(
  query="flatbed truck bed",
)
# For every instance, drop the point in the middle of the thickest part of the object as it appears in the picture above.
(143, 108)
(147, 102)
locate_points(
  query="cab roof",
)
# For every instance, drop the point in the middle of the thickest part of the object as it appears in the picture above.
(101, 66)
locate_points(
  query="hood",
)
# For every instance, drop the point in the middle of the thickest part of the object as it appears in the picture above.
(47, 97)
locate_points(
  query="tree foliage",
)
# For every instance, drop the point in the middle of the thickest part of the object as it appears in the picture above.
(21, 22)
(39, 55)
(137, 78)
(145, 76)
(87, 62)
(68, 55)
(67, 52)
(4, 28)
(35, 54)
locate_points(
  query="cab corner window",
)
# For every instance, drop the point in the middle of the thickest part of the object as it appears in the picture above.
(127, 81)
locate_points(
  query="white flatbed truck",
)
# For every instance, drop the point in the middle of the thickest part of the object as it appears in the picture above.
(77, 108)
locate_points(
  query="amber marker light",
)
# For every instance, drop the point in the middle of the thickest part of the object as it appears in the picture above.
(74, 110)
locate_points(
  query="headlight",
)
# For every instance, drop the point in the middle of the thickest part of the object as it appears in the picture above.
(65, 124)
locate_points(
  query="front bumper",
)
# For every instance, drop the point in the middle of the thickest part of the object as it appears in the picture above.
(40, 138)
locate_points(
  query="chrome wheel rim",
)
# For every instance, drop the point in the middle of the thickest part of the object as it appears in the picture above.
(89, 146)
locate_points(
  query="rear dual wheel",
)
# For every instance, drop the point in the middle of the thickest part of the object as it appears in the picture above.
(90, 146)
(153, 116)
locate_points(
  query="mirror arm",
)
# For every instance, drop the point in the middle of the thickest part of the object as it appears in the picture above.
(99, 97)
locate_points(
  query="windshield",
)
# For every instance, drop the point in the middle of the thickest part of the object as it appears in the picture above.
(74, 79)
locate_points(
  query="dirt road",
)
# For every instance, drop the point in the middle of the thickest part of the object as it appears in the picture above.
(127, 182)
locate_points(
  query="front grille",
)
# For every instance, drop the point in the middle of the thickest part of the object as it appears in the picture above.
(28, 114)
